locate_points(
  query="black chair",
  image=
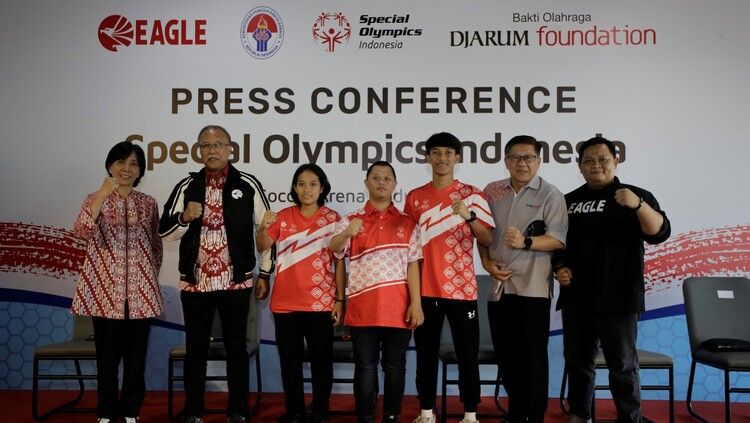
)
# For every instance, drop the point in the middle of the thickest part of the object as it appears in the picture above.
(342, 353)
(216, 352)
(447, 356)
(81, 347)
(646, 360)
(716, 308)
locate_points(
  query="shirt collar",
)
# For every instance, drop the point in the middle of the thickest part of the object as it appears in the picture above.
(534, 183)
(370, 209)
(221, 176)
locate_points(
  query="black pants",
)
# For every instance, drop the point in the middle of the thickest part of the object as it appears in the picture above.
(582, 328)
(293, 330)
(520, 334)
(464, 323)
(198, 309)
(368, 342)
(117, 340)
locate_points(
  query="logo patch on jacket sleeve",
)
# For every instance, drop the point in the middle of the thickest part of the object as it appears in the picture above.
(237, 194)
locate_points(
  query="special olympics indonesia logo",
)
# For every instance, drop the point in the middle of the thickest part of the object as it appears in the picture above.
(115, 31)
(262, 32)
(331, 29)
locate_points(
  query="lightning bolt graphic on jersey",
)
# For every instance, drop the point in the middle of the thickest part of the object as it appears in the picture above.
(437, 220)
(301, 245)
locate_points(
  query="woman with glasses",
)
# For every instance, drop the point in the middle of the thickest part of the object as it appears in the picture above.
(308, 294)
(119, 280)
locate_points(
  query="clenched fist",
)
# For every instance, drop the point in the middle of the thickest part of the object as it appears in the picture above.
(108, 186)
(355, 227)
(268, 218)
(460, 208)
(192, 212)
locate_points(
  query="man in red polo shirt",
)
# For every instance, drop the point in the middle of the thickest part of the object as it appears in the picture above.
(383, 293)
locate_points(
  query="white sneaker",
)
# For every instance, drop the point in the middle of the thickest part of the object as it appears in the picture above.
(421, 419)
(132, 420)
(469, 421)
(103, 420)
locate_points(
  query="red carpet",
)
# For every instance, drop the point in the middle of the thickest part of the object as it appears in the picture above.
(15, 407)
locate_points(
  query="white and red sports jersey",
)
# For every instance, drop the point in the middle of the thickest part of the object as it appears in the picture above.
(304, 261)
(378, 259)
(447, 240)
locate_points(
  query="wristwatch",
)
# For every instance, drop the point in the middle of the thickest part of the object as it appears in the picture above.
(640, 203)
(527, 243)
(472, 218)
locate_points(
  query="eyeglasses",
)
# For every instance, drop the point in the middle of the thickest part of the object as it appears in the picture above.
(213, 146)
(526, 159)
(601, 161)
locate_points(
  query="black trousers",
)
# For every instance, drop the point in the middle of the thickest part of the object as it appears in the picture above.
(293, 330)
(464, 323)
(368, 342)
(520, 334)
(617, 332)
(116, 340)
(198, 310)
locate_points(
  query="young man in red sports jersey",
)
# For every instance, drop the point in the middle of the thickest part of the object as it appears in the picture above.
(450, 215)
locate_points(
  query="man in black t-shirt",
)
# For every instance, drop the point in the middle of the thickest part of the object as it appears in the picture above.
(601, 277)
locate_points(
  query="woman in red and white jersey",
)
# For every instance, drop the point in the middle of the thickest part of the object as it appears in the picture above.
(308, 292)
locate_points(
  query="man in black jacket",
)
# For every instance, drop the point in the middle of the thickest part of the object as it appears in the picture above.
(601, 277)
(213, 213)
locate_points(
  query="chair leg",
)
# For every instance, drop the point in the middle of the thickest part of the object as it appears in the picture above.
(727, 409)
(689, 398)
(444, 396)
(81, 387)
(170, 389)
(671, 394)
(35, 389)
(65, 406)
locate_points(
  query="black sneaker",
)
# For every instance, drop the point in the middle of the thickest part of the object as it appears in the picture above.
(390, 419)
(235, 418)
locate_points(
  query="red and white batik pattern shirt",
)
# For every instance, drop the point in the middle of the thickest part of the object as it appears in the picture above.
(446, 238)
(214, 266)
(379, 255)
(123, 258)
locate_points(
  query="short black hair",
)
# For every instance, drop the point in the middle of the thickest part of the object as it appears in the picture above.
(523, 140)
(214, 128)
(381, 163)
(596, 141)
(123, 150)
(322, 178)
(443, 139)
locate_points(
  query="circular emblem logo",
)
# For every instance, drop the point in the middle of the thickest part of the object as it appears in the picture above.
(236, 194)
(262, 32)
(330, 30)
(115, 31)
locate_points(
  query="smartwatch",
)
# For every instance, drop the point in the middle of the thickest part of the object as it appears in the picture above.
(527, 243)
(472, 218)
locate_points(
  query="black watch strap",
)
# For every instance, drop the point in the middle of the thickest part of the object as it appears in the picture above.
(527, 243)
(472, 218)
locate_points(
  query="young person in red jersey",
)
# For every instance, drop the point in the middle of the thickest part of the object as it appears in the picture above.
(308, 293)
(384, 304)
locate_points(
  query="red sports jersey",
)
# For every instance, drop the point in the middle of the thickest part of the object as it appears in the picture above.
(378, 258)
(447, 240)
(304, 262)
